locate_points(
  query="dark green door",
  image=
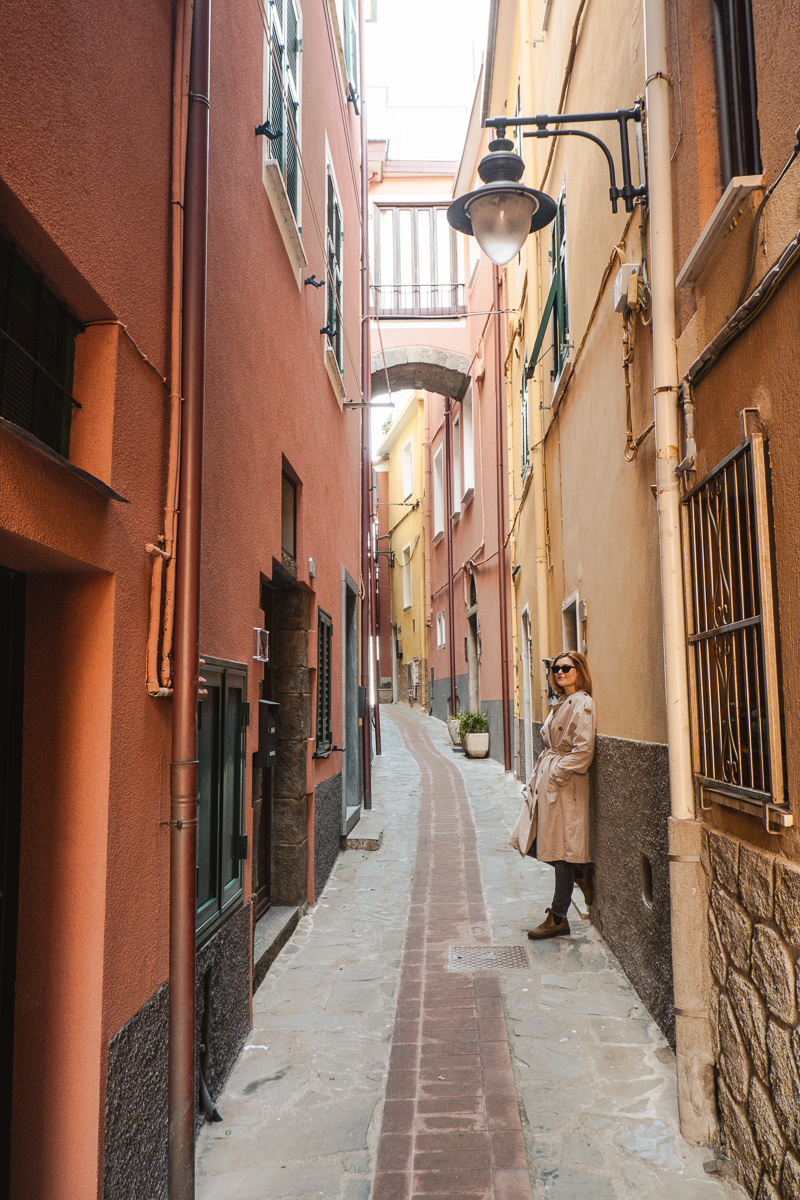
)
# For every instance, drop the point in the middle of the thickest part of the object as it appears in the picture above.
(12, 666)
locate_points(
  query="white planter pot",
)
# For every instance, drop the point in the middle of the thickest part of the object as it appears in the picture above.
(452, 729)
(476, 745)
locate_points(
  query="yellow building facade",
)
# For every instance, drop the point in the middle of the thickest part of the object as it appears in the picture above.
(401, 455)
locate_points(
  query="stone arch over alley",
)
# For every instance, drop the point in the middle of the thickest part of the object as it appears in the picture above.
(444, 372)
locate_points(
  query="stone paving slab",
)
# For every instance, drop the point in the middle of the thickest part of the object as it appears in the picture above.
(594, 1078)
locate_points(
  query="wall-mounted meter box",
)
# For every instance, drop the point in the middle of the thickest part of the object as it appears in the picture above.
(625, 285)
(267, 753)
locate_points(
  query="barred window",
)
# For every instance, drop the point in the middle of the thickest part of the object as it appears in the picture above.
(285, 45)
(525, 423)
(324, 683)
(734, 661)
(734, 52)
(37, 351)
(333, 291)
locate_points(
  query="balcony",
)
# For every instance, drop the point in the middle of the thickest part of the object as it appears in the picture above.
(392, 301)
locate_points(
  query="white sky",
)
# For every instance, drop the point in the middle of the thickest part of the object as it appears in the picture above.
(422, 59)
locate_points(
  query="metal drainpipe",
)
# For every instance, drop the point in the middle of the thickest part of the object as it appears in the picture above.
(448, 510)
(366, 466)
(183, 768)
(696, 1099)
(374, 611)
(501, 522)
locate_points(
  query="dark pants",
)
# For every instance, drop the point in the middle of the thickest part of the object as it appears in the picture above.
(565, 882)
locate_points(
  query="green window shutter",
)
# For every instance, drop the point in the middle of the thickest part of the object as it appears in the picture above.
(537, 345)
(324, 738)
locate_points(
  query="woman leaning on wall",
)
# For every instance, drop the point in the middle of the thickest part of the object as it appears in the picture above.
(554, 823)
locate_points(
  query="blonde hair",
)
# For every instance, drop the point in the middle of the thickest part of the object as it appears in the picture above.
(578, 660)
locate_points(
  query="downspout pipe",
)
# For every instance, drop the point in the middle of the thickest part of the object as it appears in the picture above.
(448, 522)
(501, 520)
(366, 465)
(696, 1100)
(183, 768)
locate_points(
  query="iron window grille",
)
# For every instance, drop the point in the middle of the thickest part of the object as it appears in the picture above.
(416, 263)
(334, 240)
(285, 45)
(324, 739)
(560, 319)
(37, 353)
(221, 846)
(734, 52)
(733, 647)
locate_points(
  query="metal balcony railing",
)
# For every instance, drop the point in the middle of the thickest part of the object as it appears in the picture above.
(395, 300)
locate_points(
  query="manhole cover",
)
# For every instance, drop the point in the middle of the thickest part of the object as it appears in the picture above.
(489, 958)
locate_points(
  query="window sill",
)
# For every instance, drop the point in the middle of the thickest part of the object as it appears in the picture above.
(456, 516)
(437, 537)
(561, 385)
(717, 227)
(467, 497)
(334, 374)
(32, 441)
(282, 209)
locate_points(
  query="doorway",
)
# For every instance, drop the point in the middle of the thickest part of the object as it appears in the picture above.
(12, 674)
(473, 647)
(351, 775)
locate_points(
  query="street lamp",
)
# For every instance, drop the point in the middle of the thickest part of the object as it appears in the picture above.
(502, 212)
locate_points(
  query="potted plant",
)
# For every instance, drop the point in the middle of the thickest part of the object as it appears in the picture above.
(453, 721)
(473, 728)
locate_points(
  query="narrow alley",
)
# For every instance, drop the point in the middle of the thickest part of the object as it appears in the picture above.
(379, 1065)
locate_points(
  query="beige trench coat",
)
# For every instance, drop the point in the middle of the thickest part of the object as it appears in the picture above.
(556, 807)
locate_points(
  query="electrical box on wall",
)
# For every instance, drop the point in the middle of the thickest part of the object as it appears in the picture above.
(625, 286)
(267, 752)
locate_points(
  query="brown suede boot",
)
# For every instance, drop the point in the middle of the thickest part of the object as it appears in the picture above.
(584, 879)
(551, 926)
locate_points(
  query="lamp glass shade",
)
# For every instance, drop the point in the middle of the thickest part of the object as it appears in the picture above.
(501, 221)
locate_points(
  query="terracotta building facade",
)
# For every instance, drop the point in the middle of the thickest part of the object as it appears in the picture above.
(91, 250)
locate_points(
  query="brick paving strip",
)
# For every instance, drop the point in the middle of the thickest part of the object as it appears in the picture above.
(451, 1120)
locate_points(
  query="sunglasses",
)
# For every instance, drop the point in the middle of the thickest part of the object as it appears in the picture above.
(562, 668)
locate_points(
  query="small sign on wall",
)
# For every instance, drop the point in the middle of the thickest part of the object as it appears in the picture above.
(261, 645)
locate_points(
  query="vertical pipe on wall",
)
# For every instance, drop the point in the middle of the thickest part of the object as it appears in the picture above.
(696, 1099)
(501, 521)
(448, 524)
(183, 768)
(366, 467)
(536, 454)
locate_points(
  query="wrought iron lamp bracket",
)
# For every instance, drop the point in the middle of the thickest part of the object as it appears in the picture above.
(622, 116)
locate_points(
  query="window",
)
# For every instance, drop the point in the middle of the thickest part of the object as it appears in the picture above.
(351, 42)
(221, 845)
(37, 350)
(733, 658)
(416, 263)
(734, 53)
(468, 444)
(285, 45)
(407, 590)
(408, 470)
(558, 259)
(288, 515)
(457, 467)
(525, 436)
(440, 631)
(333, 269)
(438, 495)
(324, 683)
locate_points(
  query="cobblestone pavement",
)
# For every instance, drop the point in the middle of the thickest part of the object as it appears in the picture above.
(349, 1082)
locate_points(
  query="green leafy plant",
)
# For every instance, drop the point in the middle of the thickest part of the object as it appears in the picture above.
(387, 424)
(472, 722)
